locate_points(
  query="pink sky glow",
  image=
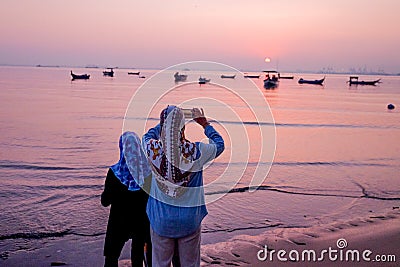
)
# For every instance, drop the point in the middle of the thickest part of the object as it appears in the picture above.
(296, 35)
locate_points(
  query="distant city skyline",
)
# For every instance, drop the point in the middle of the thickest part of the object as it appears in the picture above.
(327, 70)
(307, 35)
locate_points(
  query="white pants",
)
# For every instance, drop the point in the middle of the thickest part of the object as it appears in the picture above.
(188, 249)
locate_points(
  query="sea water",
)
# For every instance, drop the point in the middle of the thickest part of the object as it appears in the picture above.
(336, 157)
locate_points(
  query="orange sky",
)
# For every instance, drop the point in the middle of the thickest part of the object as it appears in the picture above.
(295, 34)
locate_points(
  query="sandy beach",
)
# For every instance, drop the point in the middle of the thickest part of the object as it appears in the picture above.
(379, 234)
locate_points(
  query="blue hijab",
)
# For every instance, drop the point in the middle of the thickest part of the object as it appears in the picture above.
(132, 167)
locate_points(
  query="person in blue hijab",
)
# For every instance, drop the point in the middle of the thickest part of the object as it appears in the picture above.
(125, 190)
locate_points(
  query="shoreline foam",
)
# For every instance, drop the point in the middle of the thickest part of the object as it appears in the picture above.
(380, 234)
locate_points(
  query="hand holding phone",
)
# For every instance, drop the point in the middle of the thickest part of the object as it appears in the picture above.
(198, 116)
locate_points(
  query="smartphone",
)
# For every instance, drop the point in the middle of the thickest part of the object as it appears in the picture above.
(187, 112)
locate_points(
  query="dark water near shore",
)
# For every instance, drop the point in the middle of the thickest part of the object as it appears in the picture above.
(337, 154)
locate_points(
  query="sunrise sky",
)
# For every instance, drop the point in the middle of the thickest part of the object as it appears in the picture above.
(295, 34)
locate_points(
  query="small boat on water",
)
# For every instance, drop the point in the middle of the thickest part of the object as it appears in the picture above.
(354, 80)
(285, 77)
(271, 83)
(79, 76)
(180, 77)
(251, 76)
(109, 72)
(319, 82)
(203, 80)
(134, 73)
(228, 76)
(274, 72)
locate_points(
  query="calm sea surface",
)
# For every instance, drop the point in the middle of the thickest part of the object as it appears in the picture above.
(337, 153)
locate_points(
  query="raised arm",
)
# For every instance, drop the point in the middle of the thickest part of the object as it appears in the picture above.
(216, 146)
(216, 139)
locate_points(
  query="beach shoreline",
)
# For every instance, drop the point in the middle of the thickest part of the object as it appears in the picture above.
(378, 233)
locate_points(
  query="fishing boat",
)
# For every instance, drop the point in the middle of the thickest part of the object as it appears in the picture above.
(180, 77)
(109, 72)
(285, 77)
(204, 80)
(319, 82)
(271, 82)
(228, 76)
(354, 80)
(80, 76)
(134, 73)
(251, 76)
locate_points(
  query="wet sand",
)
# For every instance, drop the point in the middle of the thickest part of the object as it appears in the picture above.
(379, 234)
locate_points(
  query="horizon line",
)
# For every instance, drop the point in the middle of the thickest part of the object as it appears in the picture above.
(93, 66)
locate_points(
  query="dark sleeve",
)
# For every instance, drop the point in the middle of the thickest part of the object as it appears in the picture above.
(108, 192)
